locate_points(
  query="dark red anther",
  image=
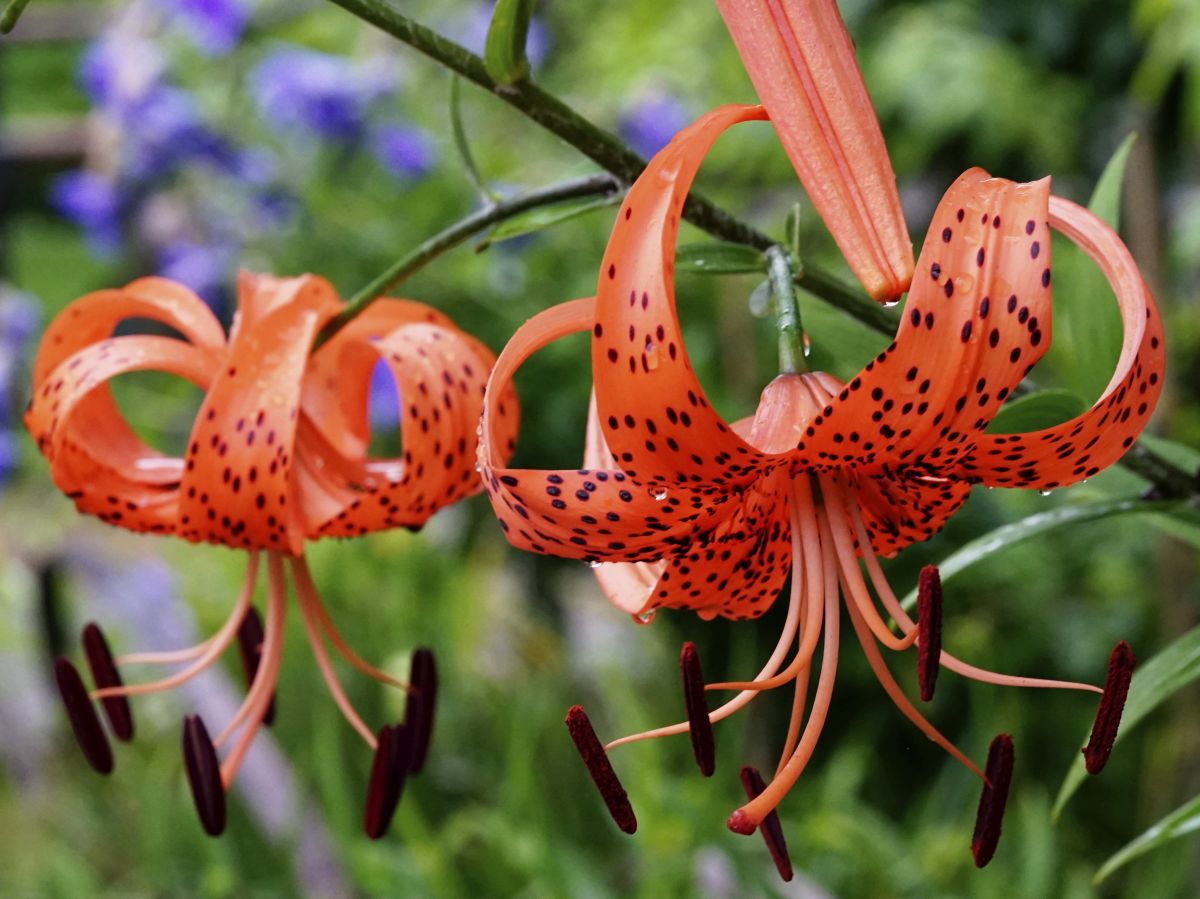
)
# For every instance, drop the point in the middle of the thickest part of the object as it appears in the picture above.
(772, 832)
(929, 630)
(388, 772)
(204, 775)
(419, 708)
(105, 674)
(696, 702)
(1108, 713)
(250, 642)
(591, 750)
(82, 715)
(993, 799)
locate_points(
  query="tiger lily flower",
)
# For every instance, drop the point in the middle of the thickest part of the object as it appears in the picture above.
(677, 508)
(277, 456)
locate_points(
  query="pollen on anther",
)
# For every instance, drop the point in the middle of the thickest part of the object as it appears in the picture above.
(929, 630)
(699, 725)
(603, 776)
(772, 832)
(1108, 714)
(998, 774)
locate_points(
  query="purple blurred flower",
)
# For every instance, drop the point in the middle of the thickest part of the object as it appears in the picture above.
(205, 268)
(649, 124)
(404, 151)
(213, 26)
(94, 204)
(295, 88)
(116, 71)
(20, 314)
(10, 455)
(164, 130)
(383, 400)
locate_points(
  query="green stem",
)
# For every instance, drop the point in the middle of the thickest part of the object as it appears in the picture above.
(602, 147)
(12, 13)
(787, 312)
(461, 230)
(611, 154)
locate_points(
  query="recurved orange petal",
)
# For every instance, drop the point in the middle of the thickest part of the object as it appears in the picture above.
(801, 61)
(976, 319)
(1081, 447)
(245, 498)
(655, 416)
(602, 514)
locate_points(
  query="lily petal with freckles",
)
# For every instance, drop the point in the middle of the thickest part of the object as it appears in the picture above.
(277, 456)
(678, 508)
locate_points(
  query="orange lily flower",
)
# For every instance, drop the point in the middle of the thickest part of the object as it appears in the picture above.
(277, 456)
(677, 508)
(801, 61)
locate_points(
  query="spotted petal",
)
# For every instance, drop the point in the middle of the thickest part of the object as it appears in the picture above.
(655, 416)
(1081, 447)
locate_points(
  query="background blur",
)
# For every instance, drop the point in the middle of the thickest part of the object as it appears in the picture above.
(191, 137)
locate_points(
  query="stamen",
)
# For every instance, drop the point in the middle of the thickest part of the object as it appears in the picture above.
(105, 674)
(772, 832)
(250, 643)
(82, 715)
(204, 775)
(1112, 703)
(420, 705)
(388, 772)
(601, 770)
(699, 726)
(992, 800)
(929, 630)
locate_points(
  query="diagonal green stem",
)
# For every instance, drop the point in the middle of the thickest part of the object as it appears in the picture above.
(461, 230)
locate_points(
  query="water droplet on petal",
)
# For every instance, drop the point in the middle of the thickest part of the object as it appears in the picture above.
(593, 563)
(1045, 492)
(890, 304)
(658, 493)
(650, 356)
(646, 617)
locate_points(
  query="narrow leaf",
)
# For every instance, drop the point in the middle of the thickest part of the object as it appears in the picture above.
(504, 52)
(718, 259)
(543, 217)
(1155, 681)
(1035, 525)
(461, 144)
(1036, 411)
(1182, 821)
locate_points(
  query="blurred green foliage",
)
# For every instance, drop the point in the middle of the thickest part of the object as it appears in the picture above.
(1024, 89)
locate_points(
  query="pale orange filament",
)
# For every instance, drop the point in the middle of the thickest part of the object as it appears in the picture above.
(262, 690)
(806, 556)
(307, 599)
(762, 805)
(205, 654)
(906, 624)
(751, 690)
(170, 657)
(856, 589)
(304, 577)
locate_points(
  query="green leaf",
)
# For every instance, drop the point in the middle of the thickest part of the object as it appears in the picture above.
(543, 217)
(460, 142)
(718, 259)
(1153, 683)
(1182, 821)
(1087, 323)
(504, 52)
(1034, 525)
(1180, 454)
(1036, 411)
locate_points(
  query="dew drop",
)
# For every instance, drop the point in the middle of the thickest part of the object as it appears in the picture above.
(1045, 492)
(650, 356)
(658, 494)
(645, 617)
(593, 563)
(806, 344)
(890, 304)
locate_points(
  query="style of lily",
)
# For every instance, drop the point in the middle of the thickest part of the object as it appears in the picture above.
(677, 508)
(278, 455)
